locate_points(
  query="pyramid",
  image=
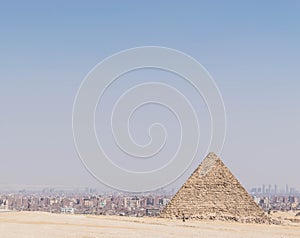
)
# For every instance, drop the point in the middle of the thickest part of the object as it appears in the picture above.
(212, 192)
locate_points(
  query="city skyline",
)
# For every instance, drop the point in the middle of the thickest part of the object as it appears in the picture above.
(259, 189)
(90, 201)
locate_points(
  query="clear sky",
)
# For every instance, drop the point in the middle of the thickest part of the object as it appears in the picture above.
(251, 48)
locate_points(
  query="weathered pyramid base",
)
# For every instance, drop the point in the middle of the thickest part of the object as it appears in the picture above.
(213, 193)
(257, 220)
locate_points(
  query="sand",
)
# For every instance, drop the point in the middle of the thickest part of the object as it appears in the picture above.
(47, 225)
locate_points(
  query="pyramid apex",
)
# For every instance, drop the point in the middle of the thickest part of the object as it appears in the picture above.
(212, 156)
(208, 163)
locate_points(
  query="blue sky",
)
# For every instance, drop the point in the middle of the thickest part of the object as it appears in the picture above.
(251, 49)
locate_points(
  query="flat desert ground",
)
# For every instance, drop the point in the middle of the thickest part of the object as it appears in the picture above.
(47, 225)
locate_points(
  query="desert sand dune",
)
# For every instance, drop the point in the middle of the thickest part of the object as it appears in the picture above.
(47, 225)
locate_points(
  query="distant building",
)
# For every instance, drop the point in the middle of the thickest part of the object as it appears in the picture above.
(152, 212)
(67, 210)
